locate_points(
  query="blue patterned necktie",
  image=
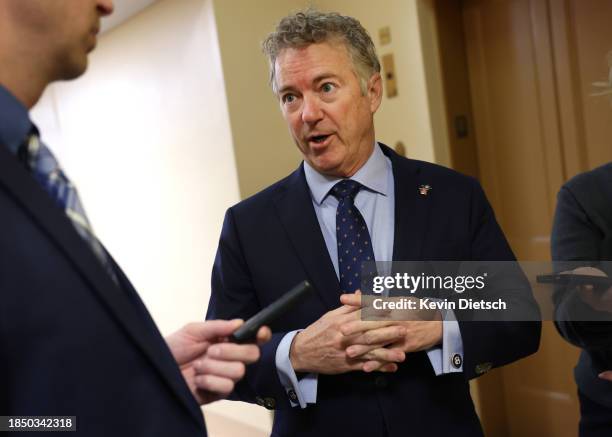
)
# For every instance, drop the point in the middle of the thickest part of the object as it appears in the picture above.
(352, 236)
(47, 172)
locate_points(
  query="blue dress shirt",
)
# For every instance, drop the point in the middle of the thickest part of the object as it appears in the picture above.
(15, 124)
(377, 206)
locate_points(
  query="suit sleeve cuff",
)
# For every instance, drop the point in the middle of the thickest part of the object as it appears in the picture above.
(300, 392)
(448, 358)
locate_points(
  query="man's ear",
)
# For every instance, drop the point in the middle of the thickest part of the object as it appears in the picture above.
(374, 91)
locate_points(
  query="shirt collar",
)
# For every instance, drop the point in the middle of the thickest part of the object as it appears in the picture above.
(372, 175)
(15, 122)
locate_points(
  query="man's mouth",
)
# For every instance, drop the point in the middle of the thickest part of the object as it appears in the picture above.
(318, 139)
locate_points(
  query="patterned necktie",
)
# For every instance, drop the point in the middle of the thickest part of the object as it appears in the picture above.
(48, 173)
(352, 236)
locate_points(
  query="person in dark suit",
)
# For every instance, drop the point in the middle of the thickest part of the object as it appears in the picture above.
(75, 338)
(353, 200)
(582, 234)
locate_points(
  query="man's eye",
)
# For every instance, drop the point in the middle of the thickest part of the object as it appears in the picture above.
(327, 87)
(288, 98)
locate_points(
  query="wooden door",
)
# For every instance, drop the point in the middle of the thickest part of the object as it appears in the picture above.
(529, 66)
(582, 52)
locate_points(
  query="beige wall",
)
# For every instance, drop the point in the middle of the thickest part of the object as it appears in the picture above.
(264, 149)
(145, 135)
(432, 65)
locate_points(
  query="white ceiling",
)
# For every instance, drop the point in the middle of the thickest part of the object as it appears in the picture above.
(124, 9)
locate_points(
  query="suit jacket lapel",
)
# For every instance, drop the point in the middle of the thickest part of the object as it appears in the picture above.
(58, 228)
(157, 349)
(411, 208)
(294, 207)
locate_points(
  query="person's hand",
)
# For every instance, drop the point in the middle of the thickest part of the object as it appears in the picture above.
(369, 336)
(596, 300)
(321, 347)
(607, 375)
(209, 364)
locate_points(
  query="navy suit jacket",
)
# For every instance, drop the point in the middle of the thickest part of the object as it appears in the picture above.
(582, 231)
(72, 342)
(272, 241)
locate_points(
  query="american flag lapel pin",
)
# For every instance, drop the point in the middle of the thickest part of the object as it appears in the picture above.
(424, 190)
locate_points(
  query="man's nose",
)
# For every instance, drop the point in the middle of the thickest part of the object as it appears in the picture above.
(105, 7)
(311, 111)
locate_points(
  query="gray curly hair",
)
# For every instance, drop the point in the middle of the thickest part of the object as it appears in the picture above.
(311, 27)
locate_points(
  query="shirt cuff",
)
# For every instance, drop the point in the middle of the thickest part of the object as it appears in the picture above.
(300, 392)
(448, 358)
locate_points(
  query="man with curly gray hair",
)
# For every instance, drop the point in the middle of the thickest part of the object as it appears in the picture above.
(353, 200)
